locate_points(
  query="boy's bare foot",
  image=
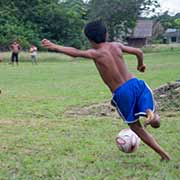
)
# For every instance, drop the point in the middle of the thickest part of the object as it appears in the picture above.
(152, 119)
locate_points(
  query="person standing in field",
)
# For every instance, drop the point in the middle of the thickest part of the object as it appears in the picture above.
(33, 54)
(130, 95)
(15, 49)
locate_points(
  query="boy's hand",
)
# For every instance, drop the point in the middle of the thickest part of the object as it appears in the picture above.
(141, 68)
(48, 44)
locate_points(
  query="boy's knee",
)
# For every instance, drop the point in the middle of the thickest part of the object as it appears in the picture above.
(155, 123)
(136, 127)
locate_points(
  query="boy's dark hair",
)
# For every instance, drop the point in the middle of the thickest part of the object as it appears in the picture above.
(96, 31)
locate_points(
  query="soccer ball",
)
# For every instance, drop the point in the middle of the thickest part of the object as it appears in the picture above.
(127, 141)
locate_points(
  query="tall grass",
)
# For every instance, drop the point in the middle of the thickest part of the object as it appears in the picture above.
(172, 48)
(42, 57)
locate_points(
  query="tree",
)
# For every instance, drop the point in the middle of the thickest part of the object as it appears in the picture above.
(177, 23)
(169, 21)
(119, 15)
(32, 20)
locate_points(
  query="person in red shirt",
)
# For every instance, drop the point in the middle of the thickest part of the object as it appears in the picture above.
(15, 48)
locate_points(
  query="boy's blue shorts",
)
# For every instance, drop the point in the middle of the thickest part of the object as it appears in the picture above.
(132, 99)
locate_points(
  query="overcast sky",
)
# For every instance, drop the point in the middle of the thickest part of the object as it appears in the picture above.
(173, 6)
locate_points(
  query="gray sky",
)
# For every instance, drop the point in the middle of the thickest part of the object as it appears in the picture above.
(173, 6)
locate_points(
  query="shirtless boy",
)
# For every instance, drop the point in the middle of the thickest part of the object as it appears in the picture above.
(131, 96)
(15, 48)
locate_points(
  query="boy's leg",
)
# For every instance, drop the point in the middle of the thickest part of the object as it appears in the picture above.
(12, 58)
(32, 59)
(148, 139)
(17, 59)
(35, 59)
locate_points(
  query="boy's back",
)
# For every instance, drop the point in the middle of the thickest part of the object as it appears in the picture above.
(109, 61)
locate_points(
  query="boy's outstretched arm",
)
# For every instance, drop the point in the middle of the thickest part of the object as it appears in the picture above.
(139, 54)
(68, 50)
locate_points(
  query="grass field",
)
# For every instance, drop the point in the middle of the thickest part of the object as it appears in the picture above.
(38, 141)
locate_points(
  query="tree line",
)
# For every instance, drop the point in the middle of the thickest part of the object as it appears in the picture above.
(62, 21)
(170, 21)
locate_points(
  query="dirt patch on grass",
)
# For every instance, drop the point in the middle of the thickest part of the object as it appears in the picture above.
(102, 109)
(28, 123)
(167, 99)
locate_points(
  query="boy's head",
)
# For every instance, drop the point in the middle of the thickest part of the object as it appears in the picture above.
(96, 31)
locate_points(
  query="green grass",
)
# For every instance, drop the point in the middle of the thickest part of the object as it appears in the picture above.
(39, 142)
(152, 48)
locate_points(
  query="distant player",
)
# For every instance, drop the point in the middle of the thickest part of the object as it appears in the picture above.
(131, 96)
(33, 54)
(15, 48)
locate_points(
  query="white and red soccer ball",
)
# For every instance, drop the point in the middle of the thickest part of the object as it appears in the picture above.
(127, 141)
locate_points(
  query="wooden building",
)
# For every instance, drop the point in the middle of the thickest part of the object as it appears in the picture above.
(172, 36)
(144, 32)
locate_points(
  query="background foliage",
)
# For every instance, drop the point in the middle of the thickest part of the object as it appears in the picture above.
(30, 21)
(62, 21)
